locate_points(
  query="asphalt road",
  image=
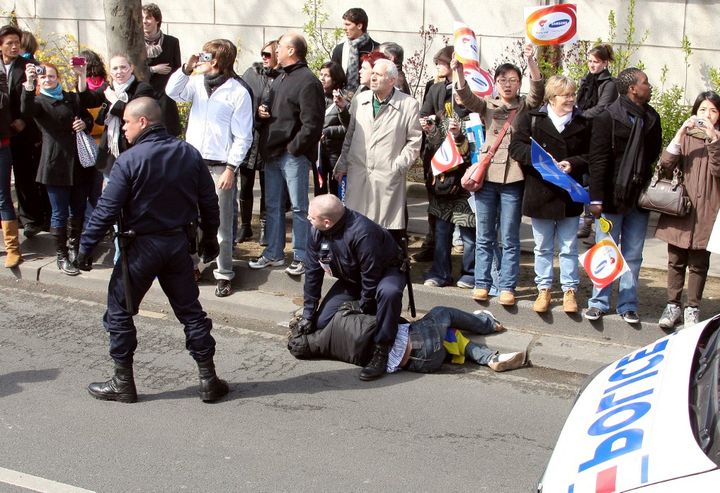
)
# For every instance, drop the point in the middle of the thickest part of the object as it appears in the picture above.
(287, 425)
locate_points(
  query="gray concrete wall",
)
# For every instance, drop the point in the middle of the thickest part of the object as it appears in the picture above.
(252, 22)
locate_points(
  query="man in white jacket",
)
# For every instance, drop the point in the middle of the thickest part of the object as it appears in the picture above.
(220, 126)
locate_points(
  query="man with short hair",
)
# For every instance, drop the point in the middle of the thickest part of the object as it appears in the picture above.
(367, 263)
(220, 126)
(289, 137)
(396, 54)
(626, 140)
(381, 143)
(358, 43)
(156, 187)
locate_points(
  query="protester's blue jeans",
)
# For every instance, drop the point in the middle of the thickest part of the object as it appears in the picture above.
(441, 270)
(628, 231)
(491, 200)
(7, 210)
(544, 232)
(428, 333)
(281, 171)
(67, 202)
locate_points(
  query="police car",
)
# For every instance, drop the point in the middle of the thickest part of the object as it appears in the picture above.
(646, 423)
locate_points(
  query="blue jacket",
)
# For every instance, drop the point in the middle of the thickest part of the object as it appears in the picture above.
(159, 184)
(357, 251)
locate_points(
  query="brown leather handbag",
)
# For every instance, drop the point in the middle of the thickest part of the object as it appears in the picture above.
(666, 196)
(474, 177)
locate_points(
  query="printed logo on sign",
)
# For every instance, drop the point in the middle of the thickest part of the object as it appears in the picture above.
(559, 23)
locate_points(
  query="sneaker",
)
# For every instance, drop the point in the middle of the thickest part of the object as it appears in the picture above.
(670, 316)
(631, 317)
(464, 285)
(691, 316)
(570, 302)
(480, 294)
(498, 326)
(542, 303)
(432, 282)
(507, 298)
(296, 268)
(223, 288)
(262, 261)
(507, 361)
(593, 313)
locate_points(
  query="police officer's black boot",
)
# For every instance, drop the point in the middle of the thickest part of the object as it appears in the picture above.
(63, 262)
(121, 387)
(245, 231)
(212, 388)
(74, 230)
(378, 364)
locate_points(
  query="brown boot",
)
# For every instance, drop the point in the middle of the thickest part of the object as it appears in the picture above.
(12, 244)
(542, 302)
(569, 302)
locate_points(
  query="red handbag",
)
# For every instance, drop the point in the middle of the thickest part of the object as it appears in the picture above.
(474, 177)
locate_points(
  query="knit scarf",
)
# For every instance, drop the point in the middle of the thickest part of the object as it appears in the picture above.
(588, 94)
(212, 82)
(629, 178)
(56, 92)
(353, 64)
(153, 44)
(113, 124)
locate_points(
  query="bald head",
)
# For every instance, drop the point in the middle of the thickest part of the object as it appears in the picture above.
(325, 211)
(145, 107)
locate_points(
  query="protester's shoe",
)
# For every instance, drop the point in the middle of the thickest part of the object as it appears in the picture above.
(631, 317)
(262, 240)
(223, 288)
(30, 230)
(542, 302)
(121, 387)
(691, 316)
(480, 294)
(212, 387)
(424, 255)
(498, 326)
(12, 244)
(245, 232)
(570, 301)
(507, 361)
(61, 249)
(74, 231)
(585, 227)
(262, 261)
(296, 268)
(432, 283)
(506, 298)
(670, 316)
(378, 364)
(593, 313)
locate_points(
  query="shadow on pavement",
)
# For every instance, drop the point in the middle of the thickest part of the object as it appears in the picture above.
(14, 382)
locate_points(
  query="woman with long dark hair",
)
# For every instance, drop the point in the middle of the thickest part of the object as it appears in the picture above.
(337, 118)
(695, 152)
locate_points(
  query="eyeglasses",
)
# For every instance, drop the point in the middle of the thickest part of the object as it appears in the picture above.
(503, 82)
(266, 54)
(566, 96)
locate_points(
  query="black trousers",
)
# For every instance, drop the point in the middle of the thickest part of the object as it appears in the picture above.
(33, 202)
(167, 258)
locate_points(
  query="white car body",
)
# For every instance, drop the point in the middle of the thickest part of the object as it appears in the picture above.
(630, 428)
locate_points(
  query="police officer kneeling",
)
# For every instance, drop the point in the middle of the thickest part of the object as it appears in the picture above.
(367, 263)
(156, 187)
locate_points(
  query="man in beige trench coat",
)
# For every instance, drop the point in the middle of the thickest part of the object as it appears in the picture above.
(381, 143)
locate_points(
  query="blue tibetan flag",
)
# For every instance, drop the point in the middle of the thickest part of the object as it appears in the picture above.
(550, 172)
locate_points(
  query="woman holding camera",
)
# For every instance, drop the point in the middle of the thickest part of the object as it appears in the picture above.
(694, 151)
(59, 115)
(123, 88)
(337, 118)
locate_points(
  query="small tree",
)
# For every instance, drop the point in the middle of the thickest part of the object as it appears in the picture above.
(321, 40)
(415, 67)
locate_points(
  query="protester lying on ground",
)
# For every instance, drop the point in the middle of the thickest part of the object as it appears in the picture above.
(420, 346)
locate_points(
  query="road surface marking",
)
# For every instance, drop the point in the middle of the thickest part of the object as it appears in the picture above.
(35, 483)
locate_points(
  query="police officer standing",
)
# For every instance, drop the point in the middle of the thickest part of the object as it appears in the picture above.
(366, 261)
(156, 187)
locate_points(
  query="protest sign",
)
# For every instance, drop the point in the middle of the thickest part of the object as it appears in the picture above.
(552, 25)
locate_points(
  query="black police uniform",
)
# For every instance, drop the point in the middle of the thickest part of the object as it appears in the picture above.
(159, 184)
(366, 261)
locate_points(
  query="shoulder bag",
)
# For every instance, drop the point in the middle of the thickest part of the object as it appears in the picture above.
(665, 196)
(474, 177)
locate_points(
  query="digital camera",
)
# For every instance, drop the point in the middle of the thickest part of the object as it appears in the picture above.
(205, 57)
(39, 70)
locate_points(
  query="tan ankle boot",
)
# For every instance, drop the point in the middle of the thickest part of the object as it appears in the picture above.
(570, 302)
(542, 303)
(12, 244)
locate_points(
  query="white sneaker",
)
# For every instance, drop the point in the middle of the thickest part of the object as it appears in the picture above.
(670, 316)
(498, 326)
(691, 316)
(507, 361)
(262, 261)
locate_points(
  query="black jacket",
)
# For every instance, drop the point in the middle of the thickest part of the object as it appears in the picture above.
(297, 112)
(606, 94)
(159, 184)
(358, 252)
(336, 122)
(541, 199)
(171, 55)
(258, 80)
(95, 99)
(606, 152)
(59, 162)
(16, 79)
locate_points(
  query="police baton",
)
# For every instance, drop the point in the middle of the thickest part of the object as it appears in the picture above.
(408, 281)
(123, 240)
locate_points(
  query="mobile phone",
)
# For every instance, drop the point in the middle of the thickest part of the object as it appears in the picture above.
(78, 61)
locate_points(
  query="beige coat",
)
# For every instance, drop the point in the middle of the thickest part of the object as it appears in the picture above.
(700, 163)
(494, 113)
(376, 155)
